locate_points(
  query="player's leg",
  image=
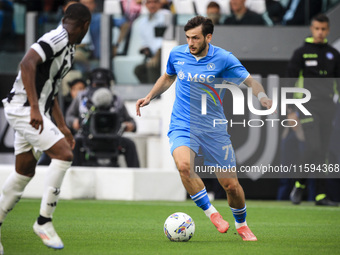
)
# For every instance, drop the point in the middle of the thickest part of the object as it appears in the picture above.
(53, 143)
(236, 201)
(15, 184)
(184, 159)
(61, 160)
(222, 156)
(25, 163)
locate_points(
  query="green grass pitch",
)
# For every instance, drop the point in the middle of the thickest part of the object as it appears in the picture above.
(121, 227)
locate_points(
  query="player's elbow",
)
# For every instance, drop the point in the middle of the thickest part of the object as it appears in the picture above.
(26, 66)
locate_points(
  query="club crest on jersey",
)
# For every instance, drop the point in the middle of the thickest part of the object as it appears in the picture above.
(181, 75)
(329, 55)
(211, 66)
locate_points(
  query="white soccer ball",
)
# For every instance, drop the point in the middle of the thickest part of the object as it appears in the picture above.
(179, 227)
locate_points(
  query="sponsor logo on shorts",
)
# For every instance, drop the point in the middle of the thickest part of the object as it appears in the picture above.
(55, 130)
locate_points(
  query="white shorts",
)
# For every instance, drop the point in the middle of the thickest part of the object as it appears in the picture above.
(27, 137)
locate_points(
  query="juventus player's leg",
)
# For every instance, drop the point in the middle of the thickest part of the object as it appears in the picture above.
(15, 184)
(61, 155)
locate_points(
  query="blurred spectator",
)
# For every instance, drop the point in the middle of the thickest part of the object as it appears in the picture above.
(89, 49)
(275, 11)
(214, 12)
(296, 13)
(152, 28)
(84, 104)
(32, 6)
(64, 6)
(6, 19)
(241, 15)
(131, 10)
(75, 86)
(166, 4)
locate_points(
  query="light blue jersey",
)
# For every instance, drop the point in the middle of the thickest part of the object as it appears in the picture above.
(196, 77)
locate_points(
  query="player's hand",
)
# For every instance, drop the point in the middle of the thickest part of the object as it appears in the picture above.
(36, 119)
(141, 103)
(266, 102)
(68, 136)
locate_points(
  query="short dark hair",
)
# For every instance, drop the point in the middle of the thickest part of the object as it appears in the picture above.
(78, 12)
(321, 18)
(102, 76)
(67, 1)
(75, 81)
(207, 24)
(213, 4)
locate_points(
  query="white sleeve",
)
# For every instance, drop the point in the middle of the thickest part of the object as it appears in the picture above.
(39, 50)
(51, 43)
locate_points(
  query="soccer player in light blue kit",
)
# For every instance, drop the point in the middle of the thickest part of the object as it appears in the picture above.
(198, 66)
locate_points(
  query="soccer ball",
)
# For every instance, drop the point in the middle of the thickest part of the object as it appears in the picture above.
(179, 227)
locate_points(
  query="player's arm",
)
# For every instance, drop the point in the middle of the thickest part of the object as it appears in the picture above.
(161, 85)
(59, 120)
(259, 92)
(28, 67)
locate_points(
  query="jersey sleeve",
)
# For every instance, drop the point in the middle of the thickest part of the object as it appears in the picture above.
(51, 43)
(234, 71)
(170, 69)
(295, 64)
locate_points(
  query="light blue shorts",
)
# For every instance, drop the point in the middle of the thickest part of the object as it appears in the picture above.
(216, 149)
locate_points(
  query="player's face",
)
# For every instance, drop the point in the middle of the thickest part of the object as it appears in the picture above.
(197, 42)
(319, 30)
(237, 5)
(82, 32)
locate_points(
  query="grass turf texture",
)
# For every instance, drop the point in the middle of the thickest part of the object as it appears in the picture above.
(118, 227)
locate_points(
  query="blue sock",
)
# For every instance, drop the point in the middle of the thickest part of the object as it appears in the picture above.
(201, 199)
(240, 214)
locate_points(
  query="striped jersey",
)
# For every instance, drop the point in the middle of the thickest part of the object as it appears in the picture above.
(57, 55)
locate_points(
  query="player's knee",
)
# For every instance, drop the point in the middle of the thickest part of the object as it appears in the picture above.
(184, 168)
(67, 155)
(29, 172)
(231, 187)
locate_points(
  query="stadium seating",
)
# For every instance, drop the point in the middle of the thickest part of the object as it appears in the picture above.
(112, 7)
(258, 6)
(124, 66)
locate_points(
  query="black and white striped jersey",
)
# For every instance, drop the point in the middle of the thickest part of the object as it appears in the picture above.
(57, 54)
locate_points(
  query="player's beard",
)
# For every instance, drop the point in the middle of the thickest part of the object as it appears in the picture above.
(200, 49)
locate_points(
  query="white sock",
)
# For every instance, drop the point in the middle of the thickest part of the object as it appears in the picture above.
(210, 211)
(54, 178)
(12, 192)
(238, 225)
